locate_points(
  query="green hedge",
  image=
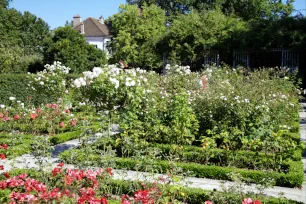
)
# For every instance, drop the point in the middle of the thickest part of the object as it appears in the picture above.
(64, 137)
(195, 195)
(189, 195)
(221, 157)
(294, 177)
(15, 85)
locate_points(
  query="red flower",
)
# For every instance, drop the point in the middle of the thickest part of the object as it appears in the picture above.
(67, 111)
(38, 110)
(125, 199)
(104, 201)
(4, 146)
(2, 156)
(109, 171)
(207, 202)
(55, 171)
(62, 124)
(16, 117)
(73, 122)
(257, 202)
(6, 174)
(1, 167)
(61, 164)
(33, 116)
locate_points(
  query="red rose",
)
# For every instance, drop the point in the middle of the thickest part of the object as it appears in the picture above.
(2, 156)
(33, 116)
(257, 202)
(1, 167)
(6, 174)
(62, 124)
(61, 164)
(4, 146)
(16, 117)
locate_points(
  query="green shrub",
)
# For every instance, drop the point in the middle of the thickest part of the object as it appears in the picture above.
(64, 137)
(293, 178)
(16, 85)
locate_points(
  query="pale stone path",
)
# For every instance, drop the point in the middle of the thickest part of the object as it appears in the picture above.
(28, 161)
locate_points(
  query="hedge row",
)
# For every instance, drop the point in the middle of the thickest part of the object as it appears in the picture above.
(188, 195)
(16, 85)
(221, 157)
(294, 177)
(195, 195)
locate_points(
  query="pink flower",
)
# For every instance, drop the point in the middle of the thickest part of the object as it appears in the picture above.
(67, 111)
(4, 146)
(1, 115)
(6, 119)
(207, 202)
(62, 124)
(73, 122)
(247, 201)
(33, 116)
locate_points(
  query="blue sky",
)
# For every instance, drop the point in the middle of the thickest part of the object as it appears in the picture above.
(56, 12)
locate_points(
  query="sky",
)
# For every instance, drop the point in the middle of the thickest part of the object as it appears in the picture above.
(57, 12)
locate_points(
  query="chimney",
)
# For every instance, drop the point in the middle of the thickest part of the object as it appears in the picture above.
(101, 20)
(76, 20)
(82, 28)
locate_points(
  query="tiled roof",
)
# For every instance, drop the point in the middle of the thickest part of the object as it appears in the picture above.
(93, 28)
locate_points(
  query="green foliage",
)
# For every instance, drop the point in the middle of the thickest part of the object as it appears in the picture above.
(64, 137)
(21, 37)
(15, 85)
(135, 35)
(190, 36)
(293, 178)
(255, 9)
(70, 47)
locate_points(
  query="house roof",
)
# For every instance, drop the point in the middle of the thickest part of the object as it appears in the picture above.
(93, 28)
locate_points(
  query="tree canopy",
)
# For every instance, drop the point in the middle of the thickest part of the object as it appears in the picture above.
(70, 47)
(247, 9)
(135, 34)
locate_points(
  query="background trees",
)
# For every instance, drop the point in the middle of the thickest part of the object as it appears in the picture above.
(136, 33)
(70, 47)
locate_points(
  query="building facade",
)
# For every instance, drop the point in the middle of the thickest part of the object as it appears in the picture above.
(95, 31)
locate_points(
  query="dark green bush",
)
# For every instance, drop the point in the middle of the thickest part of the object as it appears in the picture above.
(16, 85)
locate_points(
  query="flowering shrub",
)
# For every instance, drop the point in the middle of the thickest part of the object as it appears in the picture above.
(49, 118)
(52, 80)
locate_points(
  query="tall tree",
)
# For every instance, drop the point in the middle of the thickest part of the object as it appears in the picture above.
(247, 9)
(70, 47)
(135, 34)
(4, 3)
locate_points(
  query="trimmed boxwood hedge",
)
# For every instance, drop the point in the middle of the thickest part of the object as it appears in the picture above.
(294, 177)
(189, 195)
